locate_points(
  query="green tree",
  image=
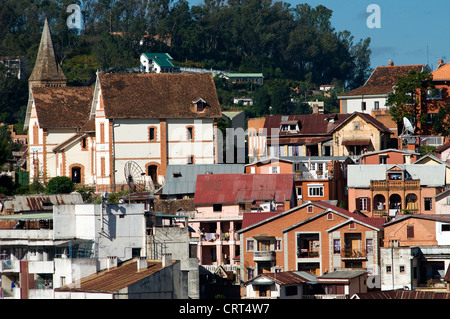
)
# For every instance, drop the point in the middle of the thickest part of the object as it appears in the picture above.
(441, 121)
(408, 99)
(60, 185)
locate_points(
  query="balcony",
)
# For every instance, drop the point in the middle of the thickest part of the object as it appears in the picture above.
(306, 253)
(266, 255)
(313, 175)
(353, 254)
(395, 185)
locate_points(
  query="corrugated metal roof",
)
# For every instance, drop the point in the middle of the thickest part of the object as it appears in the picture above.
(238, 188)
(115, 279)
(35, 203)
(37, 216)
(186, 180)
(361, 175)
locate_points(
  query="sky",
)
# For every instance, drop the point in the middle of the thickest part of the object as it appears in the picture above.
(409, 32)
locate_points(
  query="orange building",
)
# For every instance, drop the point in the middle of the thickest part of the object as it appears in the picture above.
(316, 236)
(389, 156)
(315, 177)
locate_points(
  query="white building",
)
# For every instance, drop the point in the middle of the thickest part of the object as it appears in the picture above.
(156, 63)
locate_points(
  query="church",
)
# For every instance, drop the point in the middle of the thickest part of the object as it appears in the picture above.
(121, 132)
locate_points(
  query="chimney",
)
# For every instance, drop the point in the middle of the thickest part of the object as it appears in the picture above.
(142, 263)
(440, 62)
(390, 63)
(166, 260)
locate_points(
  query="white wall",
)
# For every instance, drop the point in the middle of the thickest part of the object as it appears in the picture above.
(442, 237)
(354, 105)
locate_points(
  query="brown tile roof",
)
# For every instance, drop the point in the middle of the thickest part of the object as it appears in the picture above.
(161, 95)
(62, 107)
(311, 124)
(368, 118)
(383, 79)
(117, 278)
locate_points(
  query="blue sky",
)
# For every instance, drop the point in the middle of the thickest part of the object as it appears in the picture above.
(411, 31)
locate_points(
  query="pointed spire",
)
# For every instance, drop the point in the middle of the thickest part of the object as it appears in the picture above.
(47, 71)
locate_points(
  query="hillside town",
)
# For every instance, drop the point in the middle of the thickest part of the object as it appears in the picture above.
(343, 205)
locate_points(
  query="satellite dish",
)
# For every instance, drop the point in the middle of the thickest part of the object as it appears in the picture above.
(407, 127)
(134, 176)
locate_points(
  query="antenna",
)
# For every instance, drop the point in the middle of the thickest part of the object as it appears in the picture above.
(407, 128)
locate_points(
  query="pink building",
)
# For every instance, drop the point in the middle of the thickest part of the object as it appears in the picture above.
(220, 201)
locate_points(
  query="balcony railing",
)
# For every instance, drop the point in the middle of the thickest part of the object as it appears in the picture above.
(395, 184)
(306, 253)
(349, 253)
(311, 175)
(267, 255)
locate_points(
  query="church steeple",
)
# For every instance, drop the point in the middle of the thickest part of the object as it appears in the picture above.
(47, 72)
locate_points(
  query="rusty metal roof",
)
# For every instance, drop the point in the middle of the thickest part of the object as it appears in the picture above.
(36, 203)
(239, 188)
(115, 279)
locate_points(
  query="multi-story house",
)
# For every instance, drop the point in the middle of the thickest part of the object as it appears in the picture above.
(388, 190)
(415, 251)
(325, 135)
(372, 96)
(156, 63)
(316, 237)
(220, 201)
(315, 177)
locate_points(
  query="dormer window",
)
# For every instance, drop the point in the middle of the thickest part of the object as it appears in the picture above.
(200, 105)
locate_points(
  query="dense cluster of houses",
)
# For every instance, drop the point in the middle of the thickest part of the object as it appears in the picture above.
(327, 205)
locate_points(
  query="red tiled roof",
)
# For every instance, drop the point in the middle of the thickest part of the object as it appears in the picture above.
(383, 79)
(238, 188)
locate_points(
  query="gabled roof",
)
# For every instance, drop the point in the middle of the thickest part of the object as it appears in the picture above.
(311, 124)
(59, 107)
(181, 179)
(441, 218)
(158, 95)
(368, 118)
(383, 79)
(432, 158)
(443, 147)
(254, 221)
(240, 188)
(388, 150)
(162, 59)
(371, 222)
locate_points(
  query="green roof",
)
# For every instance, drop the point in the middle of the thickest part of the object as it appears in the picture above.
(162, 59)
(33, 216)
(244, 75)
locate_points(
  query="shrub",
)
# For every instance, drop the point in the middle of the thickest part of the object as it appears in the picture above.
(60, 185)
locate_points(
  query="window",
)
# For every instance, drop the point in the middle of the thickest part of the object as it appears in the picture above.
(315, 190)
(410, 231)
(102, 132)
(84, 144)
(319, 166)
(363, 106)
(152, 134)
(299, 193)
(382, 159)
(330, 216)
(190, 159)
(428, 203)
(352, 225)
(402, 269)
(278, 245)
(274, 169)
(435, 94)
(336, 246)
(217, 207)
(376, 105)
(356, 125)
(250, 245)
(430, 117)
(190, 133)
(369, 246)
(250, 273)
(445, 227)
(364, 203)
(388, 269)
(310, 209)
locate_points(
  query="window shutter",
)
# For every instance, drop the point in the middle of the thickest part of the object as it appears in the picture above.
(410, 231)
(357, 203)
(369, 208)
